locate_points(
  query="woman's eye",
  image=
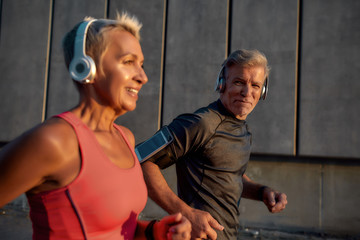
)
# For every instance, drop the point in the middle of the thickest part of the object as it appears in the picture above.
(128, 61)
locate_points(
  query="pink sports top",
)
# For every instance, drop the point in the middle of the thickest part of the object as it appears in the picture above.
(103, 202)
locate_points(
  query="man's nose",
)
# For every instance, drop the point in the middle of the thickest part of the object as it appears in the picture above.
(245, 90)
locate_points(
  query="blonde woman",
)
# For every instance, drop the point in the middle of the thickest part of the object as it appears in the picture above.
(78, 169)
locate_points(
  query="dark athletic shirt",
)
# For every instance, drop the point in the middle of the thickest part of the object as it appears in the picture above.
(211, 150)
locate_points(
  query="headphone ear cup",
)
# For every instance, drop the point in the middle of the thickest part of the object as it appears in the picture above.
(220, 81)
(222, 85)
(83, 69)
(264, 90)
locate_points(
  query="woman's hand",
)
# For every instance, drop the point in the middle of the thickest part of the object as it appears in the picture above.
(172, 227)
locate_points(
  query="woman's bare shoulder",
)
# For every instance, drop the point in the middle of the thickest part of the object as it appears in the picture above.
(55, 133)
(47, 145)
(31, 158)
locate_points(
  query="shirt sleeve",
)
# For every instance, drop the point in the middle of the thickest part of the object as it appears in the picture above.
(190, 133)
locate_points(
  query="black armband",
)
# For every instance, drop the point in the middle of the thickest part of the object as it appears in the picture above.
(157, 149)
(149, 230)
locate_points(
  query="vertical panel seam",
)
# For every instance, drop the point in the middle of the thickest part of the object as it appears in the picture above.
(162, 66)
(297, 78)
(1, 7)
(106, 9)
(47, 63)
(228, 28)
(321, 196)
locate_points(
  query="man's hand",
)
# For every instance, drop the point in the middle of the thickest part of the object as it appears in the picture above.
(274, 200)
(203, 224)
(172, 227)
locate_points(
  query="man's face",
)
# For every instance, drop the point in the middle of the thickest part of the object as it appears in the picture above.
(242, 89)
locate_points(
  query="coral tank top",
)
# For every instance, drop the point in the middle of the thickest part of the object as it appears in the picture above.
(103, 202)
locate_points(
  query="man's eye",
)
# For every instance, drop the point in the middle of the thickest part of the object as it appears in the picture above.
(240, 83)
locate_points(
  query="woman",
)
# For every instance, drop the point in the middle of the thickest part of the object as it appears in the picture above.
(78, 169)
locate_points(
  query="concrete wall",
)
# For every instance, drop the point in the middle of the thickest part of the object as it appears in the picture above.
(306, 133)
(322, 197)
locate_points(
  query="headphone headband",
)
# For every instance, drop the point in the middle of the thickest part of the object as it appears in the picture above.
(80, 39)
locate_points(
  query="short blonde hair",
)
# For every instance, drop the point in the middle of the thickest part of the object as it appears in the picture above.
(96, 43)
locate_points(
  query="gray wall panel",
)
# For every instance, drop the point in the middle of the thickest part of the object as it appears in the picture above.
(271, 27)
(62, 91)
(344, 215)
(195, 49)
(329, 85)
(23, 54)
(299, 181)
(143, 121)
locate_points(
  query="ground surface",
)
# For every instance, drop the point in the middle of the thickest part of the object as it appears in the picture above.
(16, 225)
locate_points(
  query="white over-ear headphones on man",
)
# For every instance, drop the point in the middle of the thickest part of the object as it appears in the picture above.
(82, 67)
(220, 84)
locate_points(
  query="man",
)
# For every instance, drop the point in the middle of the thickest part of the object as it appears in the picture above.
(211, 149)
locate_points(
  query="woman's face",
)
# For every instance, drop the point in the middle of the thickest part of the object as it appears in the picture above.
(123, 76)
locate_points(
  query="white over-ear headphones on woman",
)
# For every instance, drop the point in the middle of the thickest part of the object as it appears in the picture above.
(82, 67)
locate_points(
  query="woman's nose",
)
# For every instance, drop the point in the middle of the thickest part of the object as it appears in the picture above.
(141, 76)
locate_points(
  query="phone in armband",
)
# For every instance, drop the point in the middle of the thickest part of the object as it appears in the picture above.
(153, 145)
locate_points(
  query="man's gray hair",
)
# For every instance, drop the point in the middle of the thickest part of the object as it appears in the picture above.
(247, 58)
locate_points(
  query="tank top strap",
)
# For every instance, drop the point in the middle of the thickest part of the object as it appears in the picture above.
(70, 118)
(127, 142)
(123, 135)
(80, 128)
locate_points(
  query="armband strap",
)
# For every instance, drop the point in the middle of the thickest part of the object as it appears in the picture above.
(261, 193)
(156, 147)
(149, 230)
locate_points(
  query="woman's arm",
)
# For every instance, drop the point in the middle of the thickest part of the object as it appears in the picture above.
(32, 159)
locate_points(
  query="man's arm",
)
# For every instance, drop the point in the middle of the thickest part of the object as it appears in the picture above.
(159, 191)
(275, 201)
